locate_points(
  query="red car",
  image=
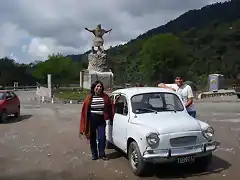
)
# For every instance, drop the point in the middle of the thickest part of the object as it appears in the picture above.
(9, 104)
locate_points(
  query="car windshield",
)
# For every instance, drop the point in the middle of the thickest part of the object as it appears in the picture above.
(156, 102)
(1, 95)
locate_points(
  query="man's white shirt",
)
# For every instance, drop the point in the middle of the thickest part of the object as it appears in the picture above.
(185, 92)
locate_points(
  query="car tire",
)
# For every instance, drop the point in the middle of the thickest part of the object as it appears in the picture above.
(136, 162)
(17, 114)
(238, 95)
(204, 162)
(3, 117)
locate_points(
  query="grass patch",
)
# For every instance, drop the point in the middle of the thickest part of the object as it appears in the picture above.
(68, 94)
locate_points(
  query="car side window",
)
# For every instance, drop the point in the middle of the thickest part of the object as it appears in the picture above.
(2, 95)
(8, 95)
(13, 94)
(121, 106)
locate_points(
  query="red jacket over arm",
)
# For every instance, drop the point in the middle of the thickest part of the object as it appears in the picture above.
(84, 120)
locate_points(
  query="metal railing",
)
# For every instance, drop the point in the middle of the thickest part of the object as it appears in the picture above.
(25, 88)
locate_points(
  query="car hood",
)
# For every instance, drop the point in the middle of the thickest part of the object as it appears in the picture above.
(168, 122)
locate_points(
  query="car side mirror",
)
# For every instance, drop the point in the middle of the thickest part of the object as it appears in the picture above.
(9, 98)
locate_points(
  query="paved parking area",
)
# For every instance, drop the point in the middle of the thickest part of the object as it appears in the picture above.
(43, 144)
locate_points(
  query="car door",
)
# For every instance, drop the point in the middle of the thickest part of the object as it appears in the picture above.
(120, 122)
(14, 102)
(9, 103)
(109, 124)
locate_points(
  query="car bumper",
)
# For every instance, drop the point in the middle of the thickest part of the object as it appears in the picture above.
(170, 155)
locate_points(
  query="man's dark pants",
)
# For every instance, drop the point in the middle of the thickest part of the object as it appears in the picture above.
(192, 113)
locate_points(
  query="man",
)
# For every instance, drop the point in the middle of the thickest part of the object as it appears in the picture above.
(185, 92)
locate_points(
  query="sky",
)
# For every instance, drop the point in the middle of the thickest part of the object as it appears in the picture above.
(30, 30)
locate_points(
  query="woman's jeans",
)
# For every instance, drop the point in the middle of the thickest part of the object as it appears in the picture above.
(97, 129)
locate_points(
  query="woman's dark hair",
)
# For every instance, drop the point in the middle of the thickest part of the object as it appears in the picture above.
(95, 84)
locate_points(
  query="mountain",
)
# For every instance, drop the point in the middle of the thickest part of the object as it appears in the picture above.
(78, 57)
(222, 12)
(209, 38)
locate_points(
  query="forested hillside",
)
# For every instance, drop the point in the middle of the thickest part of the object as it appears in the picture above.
(209, 40)
(197, 43)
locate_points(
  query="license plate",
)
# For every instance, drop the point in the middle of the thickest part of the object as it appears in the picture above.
(185, 159)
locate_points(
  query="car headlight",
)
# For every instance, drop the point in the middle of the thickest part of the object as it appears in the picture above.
(208, 133)
(153, 140)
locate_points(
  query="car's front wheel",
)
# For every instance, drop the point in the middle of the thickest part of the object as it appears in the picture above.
(137, 164)
(3, 116)
(17, 114)
(204, 162)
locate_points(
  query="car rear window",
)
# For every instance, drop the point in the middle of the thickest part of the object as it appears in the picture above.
(1, 95)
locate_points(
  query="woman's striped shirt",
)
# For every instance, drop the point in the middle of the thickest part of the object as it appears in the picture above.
(97, 106)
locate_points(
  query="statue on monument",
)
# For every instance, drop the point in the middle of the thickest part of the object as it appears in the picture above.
(97, 62)
(98, 40)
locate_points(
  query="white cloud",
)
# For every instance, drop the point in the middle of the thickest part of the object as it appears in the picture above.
(42, 47)
(34, 29)
(24, 48)
(10, 36)
(12, 56)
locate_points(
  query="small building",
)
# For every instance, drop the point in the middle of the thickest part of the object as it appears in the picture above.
(216, 82)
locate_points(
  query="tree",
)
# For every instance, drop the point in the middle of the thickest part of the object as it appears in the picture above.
(161, 56)
(10, 71)
(62, 69)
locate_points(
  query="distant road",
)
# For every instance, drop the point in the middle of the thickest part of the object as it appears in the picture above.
(24, 96)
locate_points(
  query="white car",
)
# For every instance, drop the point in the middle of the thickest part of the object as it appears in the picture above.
(151, 125)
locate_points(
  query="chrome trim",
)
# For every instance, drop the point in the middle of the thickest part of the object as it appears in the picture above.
(180, 151)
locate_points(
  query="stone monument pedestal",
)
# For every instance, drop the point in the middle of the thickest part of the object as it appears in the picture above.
(89, 77)
(97, 70)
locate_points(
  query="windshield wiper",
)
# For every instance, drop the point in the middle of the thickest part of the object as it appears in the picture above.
(152, 110)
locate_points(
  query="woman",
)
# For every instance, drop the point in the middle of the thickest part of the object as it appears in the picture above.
(96, 109)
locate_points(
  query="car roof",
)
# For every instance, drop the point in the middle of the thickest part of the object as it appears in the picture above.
(140, 90)
(5, 90)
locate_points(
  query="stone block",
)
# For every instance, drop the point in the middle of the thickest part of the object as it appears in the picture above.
(97, 62)
(91, 76)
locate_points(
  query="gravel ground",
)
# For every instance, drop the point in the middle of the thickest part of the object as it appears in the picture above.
(43, 144)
